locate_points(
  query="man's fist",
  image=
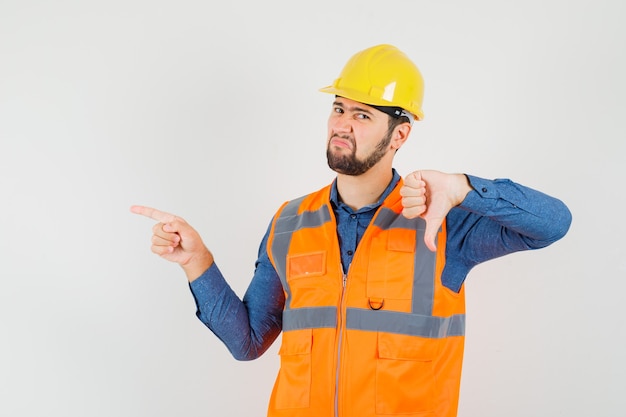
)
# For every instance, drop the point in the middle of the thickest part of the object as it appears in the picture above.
(431, 195)
(413, 194)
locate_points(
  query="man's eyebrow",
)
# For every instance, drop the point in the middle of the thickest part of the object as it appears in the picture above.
(353, 108)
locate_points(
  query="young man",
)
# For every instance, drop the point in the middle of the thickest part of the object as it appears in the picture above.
(365, 276)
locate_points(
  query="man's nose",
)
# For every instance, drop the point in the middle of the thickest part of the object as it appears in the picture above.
(342, 124)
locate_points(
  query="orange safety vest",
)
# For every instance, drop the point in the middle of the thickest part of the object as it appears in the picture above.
(385, 339)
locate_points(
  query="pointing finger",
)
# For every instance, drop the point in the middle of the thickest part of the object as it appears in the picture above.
(153, 213)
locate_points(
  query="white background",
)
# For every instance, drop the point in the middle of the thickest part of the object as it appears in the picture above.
(210, 110)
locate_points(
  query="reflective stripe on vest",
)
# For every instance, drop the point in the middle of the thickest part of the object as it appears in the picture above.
(374, 320)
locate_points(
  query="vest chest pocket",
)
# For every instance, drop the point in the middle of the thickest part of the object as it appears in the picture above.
(306, 265)
(293, 386)
(405, 379)
(390, 273)
(308, 282)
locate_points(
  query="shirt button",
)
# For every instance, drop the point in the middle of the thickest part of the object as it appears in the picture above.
(484, 189)
(353, 216)
(350, 252)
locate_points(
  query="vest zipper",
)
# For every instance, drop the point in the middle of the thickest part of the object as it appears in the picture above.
(342, 317)
(340, 339)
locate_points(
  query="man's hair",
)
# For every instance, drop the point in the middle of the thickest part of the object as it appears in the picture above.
(397, 115)
(396, 121)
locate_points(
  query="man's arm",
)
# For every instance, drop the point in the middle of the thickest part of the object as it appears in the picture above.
(531, 218)
(485, 220)
(247, 327)
(497, 218)
(522, 217)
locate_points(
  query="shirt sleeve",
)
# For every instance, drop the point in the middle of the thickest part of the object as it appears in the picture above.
(496, 218)
(247, 327)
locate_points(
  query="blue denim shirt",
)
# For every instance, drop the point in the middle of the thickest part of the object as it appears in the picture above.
(496, 218)
(352, 224)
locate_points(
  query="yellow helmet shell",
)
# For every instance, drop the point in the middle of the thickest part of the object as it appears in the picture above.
(381, 75)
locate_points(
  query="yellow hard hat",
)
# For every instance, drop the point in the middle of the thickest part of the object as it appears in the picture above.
(381, 75)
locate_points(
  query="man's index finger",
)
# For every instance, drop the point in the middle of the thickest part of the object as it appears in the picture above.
(153, 213)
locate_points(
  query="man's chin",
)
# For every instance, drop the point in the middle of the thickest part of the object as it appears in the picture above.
(344, 171)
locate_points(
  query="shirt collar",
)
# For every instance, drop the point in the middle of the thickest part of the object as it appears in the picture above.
(334, 194)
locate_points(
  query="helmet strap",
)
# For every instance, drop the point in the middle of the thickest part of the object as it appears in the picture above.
(395, 112)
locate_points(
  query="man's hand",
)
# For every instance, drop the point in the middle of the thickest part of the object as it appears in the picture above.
(431, 195)
(175, 240)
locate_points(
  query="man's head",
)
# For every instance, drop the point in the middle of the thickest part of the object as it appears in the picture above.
(377, 96)
(360, 136)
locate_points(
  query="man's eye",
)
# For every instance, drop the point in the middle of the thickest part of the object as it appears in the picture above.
(338, 110)
(362, 116)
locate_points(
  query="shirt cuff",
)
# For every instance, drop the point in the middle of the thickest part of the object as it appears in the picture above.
(483, 195)
(207, 285)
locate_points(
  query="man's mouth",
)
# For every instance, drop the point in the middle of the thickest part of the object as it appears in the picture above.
(340, 142)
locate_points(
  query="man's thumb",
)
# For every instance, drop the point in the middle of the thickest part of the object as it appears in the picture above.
(430, 234)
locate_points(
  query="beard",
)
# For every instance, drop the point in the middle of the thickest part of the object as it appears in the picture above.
(349, 164)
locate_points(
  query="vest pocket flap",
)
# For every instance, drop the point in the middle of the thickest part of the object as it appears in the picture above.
(293, 385)
(404, 347)
(296, 342)
(401, 240)
(306, 265)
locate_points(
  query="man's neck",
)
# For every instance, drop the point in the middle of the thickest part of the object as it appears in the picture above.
(363, 190)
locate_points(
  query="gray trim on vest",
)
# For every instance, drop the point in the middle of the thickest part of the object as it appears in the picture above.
(425, 260)
(376, 321)
(309, 318)
(288, 222)
(405, 323)
(423, 277)
(388, 219)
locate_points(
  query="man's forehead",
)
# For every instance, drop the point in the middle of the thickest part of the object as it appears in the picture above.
(352, 105)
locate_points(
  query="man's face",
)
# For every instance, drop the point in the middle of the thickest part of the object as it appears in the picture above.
(358, 137)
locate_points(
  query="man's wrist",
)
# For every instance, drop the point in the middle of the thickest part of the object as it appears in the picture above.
(196, 267)
(463, 187)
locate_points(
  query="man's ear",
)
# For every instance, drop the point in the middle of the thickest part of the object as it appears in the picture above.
(400, 135)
